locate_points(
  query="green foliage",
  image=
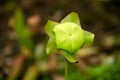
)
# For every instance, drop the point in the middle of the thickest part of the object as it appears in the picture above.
(1, 78)
(105, 72)
(99, 72)
(75, 75)
(22, 32)
(67, 36)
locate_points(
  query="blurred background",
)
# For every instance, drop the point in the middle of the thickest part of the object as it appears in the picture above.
(23, 40)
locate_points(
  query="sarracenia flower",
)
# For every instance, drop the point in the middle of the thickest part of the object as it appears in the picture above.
(67, 36)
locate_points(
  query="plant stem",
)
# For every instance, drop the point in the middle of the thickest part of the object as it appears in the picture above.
(66, 70)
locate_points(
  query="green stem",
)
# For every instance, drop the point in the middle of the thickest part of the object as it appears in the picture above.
(66, 70)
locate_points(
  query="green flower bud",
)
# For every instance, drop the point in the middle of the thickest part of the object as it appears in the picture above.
(69, 36)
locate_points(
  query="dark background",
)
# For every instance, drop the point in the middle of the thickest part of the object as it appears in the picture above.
(99, 62)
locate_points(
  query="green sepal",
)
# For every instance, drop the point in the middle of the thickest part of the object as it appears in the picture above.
(50, 26)
(51, 46)
(72, 17)
(68, 56)
(89, 38)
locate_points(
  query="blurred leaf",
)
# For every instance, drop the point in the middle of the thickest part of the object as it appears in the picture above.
(111, 72)
(19, 21)
(31, 73)
(23, 33)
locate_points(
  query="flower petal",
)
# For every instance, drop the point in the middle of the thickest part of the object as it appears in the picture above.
(51, 46)
(50, 26)
(89, 38)
(72, 17)
(69, 57)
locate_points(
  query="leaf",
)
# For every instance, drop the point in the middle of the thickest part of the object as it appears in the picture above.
(51, 46)
(89, 38)
(26, 40)
(31, 73)
(23, 33)
(50, 26)
(68, 56)
(19, 22)
(69, 37)
(72, 17)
